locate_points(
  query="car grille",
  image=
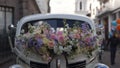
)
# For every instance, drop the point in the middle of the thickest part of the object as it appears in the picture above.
(38, 65)
(81, 64)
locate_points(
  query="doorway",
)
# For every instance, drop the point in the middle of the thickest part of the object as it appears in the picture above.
(106, 27)
(6, 18)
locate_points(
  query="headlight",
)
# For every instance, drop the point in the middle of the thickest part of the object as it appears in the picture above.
(16, 66)
(100, 65)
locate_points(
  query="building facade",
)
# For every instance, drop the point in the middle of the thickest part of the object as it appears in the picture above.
(44, 6)
(11, 11)
(84, 7)
(87, 7)
(81, 7)
(109, 11)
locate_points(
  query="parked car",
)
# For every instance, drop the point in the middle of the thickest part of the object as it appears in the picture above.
(56, 21)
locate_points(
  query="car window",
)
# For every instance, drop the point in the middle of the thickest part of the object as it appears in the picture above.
(58, 23)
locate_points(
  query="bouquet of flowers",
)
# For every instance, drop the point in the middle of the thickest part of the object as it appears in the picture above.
(47, 42)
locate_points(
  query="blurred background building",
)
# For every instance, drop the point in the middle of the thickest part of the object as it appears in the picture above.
(87, 7)
(109, 11)
(103, 12)
(43, 5)
(84, 7)
(11, 11)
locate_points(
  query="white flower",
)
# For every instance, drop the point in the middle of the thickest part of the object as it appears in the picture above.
(55, 49)
(58, 49)
(68, 49)
(22, 31)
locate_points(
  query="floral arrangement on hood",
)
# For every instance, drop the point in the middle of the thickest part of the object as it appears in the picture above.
(47, 42)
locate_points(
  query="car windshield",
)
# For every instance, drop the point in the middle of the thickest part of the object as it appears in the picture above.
(58, 23)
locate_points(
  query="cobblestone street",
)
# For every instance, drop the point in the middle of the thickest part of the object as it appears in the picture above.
(106, 59)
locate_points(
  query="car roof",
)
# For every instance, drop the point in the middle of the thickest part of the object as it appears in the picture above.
(55, 16)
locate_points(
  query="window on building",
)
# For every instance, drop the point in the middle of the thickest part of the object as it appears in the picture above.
(114, 16)
(6, 18)
(80, 5)
(90, 7)
(93, 11)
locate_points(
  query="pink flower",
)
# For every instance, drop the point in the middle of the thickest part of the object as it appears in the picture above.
(60, 33)
(71, 35)
(53, 36)
(61, 38)
(77, 36)
(87, 40)
(51, 43)
(46, 31)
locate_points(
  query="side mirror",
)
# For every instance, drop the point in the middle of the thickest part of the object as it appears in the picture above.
(11, 27)
(12, 31)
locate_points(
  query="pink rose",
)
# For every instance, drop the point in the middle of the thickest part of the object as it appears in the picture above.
(53, 36)
(59, 33)
(61, 38)
(87, 40)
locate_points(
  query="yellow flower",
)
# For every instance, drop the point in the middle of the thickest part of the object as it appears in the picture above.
(45, 41)
(75, 31)
(51, 43)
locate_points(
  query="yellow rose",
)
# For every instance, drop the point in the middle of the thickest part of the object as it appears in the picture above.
(45, 41)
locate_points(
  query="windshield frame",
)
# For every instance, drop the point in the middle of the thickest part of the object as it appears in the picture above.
(52, 16)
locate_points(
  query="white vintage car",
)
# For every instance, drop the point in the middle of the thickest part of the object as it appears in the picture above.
(31, 60)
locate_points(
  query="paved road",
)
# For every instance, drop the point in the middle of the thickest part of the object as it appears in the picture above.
(106, 59)
(8, 63)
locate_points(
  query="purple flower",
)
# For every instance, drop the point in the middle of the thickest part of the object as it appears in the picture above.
(22, 41)
(18, 42)
(94, 38)
(39, 43)
(32, 42)
(56, 41)
(48, 36)
(35, 42)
